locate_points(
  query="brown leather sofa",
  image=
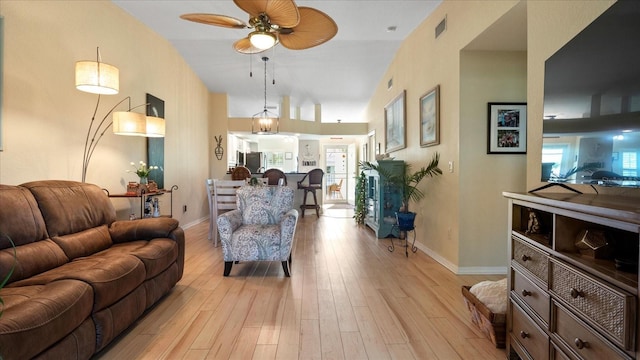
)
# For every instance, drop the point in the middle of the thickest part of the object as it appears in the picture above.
(81, 276)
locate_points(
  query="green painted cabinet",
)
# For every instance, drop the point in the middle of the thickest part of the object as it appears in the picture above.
(383, 199)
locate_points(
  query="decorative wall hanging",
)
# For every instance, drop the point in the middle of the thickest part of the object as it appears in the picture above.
(430, 117)
(507, 130)
(155, 145)
(219, 150)
(395, 123)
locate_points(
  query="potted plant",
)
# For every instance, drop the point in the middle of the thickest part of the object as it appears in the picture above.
(360, 210)
(408, 183)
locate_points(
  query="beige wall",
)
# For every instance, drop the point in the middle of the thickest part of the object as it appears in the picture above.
(487, 76)
(422, 63)
(45, 118)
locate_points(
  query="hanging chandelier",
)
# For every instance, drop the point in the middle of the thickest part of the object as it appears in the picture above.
(264, 122)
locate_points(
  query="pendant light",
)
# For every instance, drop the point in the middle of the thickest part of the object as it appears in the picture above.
(265, 122)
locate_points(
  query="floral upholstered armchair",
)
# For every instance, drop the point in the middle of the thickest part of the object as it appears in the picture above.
(261, 229)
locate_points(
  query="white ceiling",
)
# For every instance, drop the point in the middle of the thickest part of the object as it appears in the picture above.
(340, 75)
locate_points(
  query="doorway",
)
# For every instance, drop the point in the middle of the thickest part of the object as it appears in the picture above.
(336, 173)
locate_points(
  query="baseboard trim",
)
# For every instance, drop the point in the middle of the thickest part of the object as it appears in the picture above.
(194, 223)
(469, 270)
(483, 270)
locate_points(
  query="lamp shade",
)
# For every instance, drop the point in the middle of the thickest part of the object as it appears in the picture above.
(97, 77)
(155, 127)
(129, 123)
(262, 39)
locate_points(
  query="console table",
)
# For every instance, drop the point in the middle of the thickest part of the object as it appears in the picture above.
(144, 195)
(573, 276)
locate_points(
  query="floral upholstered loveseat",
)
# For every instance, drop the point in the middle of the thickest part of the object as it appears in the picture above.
(261, 229)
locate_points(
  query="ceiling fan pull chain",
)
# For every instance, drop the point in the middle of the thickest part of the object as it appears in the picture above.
(273, 52)
(250, 66)
(265, 59)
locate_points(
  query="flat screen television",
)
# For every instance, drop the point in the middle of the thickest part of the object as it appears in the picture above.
(591, 126)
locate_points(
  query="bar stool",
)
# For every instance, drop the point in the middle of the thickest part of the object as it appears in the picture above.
(314, 183)
(274, 176)
(240, 173)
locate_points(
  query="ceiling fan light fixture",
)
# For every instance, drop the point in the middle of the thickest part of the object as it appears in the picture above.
(262, 39)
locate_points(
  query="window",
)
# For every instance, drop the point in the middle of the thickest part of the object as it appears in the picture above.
(555, 155)
(629, 164)
(274, 160)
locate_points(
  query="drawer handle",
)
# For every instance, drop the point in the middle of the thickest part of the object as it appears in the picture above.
(580, 344)
(524, 335)
(576, 293)
(526, 257)
(526, 293)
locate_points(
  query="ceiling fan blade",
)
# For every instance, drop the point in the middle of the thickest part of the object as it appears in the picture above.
(283, 13)
(215, 19)
(315, 28)
(244, 46)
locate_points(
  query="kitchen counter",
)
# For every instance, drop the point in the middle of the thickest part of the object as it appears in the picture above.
(292, 182)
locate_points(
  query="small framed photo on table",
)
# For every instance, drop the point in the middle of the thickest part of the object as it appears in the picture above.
(507, 130)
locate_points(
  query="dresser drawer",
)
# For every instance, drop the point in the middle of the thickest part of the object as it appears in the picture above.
(580, 338)
(528, 334)
(531, 258)
(610, 310)
(529, 293)
(557, 353)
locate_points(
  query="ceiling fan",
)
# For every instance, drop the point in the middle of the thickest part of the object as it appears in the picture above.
(273, 22)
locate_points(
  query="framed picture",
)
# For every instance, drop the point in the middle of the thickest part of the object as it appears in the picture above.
(395, 124)
(507, 133)
(430, 117)
(288, 155)
(155, 145)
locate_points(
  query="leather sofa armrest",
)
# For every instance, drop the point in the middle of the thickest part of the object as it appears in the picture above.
(142, 229)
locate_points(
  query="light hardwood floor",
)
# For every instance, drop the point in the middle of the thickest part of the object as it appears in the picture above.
(348, 298)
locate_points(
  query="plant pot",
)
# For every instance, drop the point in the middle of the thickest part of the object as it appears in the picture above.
(406, 220)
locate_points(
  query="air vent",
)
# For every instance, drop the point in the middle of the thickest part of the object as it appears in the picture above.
(442, 26)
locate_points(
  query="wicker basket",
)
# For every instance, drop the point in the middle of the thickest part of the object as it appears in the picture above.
(492, 325)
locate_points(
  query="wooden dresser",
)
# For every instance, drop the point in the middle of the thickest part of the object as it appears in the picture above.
(573, 276)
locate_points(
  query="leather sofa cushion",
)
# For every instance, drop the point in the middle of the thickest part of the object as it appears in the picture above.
(157, 254)
(32, 259)
(147, 229)
(116, 318)
(20, 217)
(80, 344)
(69, 207)
(110, 277)
(35, 317)
(84, 243)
